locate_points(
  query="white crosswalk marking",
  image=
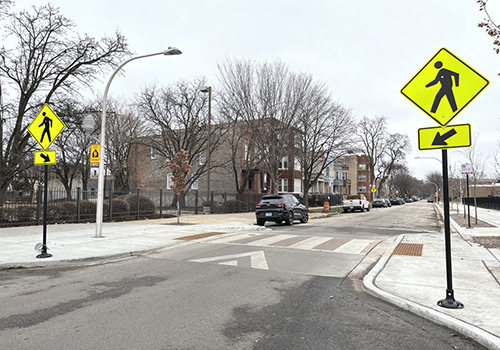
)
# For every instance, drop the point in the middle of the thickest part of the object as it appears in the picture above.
(354, 246)
(310, 242)
(336, 245)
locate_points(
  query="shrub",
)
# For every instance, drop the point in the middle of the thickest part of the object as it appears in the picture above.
(61, 213)
(25, 213)
(88, 210)
(232, 206)
(147, 207)
(119, 208)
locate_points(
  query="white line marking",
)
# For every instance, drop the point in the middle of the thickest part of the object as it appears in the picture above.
(257, 259)
(355, 246)
(310, 242)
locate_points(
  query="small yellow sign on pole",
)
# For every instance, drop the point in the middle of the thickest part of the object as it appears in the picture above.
(46, 127)
(444, 137)
(444, 86)
(45, 157)
(95, 153)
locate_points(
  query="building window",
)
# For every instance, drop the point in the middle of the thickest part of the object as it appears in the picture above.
(246, 151)
(170, 181)
(153, 153)
(203, 158)
(282, 185)
(297, 185)
(296, 164)
(283, 163)
(194, 186)
(361, 188)
(362, 178)
(362, 166)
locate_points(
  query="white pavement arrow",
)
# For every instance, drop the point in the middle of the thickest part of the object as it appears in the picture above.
(257, 259)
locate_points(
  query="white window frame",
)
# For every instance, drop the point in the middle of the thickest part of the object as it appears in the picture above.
(362, 178)
(202, 158)
(282, 185)
(297, 185)
(153, 153)
(194, 185)
(283, 163)
(170, 182)
(296, 164)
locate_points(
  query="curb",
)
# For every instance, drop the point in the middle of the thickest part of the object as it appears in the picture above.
(369, 285)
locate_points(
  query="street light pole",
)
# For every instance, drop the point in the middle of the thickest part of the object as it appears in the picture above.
(209, 90)
(100, 181)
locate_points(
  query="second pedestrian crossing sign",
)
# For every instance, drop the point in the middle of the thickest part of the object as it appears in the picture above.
(46, 127)
(444, 86)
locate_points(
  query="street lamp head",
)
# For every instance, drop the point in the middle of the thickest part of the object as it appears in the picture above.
(171, 50)
(206, 89)
(88, 124)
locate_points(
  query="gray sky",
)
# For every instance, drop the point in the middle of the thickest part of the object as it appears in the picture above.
(365, 50)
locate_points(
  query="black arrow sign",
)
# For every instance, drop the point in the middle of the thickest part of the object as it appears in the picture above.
(440, 140)
(95, 154)
(45, 157)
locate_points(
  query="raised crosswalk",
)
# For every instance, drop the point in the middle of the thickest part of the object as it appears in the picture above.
(313, 243)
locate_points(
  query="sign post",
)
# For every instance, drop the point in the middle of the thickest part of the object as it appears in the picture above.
(45, 129)
(467, 169)
(445, 75)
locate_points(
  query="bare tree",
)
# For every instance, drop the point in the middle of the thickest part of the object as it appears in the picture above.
(326, 130)
(177, 120)
(478, 162)
(491, 28)
(404, 183)
(265, 98)
(386, 152)
(50, 58)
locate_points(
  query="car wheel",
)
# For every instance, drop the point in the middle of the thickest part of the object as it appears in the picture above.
(305, 218)
(278, 221)
(260, 222)
(368, 209)
(345, 210)
(289, 218)
(362, 209)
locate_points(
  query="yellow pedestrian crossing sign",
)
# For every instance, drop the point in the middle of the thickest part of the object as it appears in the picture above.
(45, 157)
(46, 127)
(444, 86)
(444, 137)
(95, 153)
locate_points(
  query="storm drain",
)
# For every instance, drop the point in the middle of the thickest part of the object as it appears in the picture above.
(409, 249)
(199, 236)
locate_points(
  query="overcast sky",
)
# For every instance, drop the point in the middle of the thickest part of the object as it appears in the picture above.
(365, 50)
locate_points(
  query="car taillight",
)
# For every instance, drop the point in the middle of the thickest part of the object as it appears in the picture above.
(258, 206)
(280, 205)
(359, 202)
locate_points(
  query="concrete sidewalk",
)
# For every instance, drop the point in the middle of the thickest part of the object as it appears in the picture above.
(416, 281)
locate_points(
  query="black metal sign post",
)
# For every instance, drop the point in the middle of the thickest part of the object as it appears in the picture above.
(468, 203)
(449, 302)
(44, 253)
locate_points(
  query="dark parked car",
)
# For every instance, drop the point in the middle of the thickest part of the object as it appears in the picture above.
(379, 203)
(279, 208)
(397, 201)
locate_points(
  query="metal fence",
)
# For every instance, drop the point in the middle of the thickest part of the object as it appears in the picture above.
(77, 206)
(484, 202)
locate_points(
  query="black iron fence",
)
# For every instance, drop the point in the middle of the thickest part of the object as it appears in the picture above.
(80, 206)
(484, 202)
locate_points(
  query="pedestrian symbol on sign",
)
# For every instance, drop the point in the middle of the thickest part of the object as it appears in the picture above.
(47, 124)
(445, 77)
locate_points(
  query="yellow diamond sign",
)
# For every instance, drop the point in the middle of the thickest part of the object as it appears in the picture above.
(444, 137)
(46, 127)
(444, 86)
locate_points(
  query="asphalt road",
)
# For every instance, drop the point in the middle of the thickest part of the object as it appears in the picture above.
(177, 299)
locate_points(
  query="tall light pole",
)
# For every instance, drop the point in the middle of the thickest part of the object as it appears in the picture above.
(100, 182)
(209, 90)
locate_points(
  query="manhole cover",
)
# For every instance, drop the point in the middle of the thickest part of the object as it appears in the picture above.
(409, 249)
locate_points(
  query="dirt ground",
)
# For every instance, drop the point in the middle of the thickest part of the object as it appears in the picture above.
(485, 241)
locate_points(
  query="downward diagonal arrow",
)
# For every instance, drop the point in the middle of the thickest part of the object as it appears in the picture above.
(46, 157)
(440, 140)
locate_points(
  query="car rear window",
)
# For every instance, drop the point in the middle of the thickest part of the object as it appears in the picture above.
(273, 199)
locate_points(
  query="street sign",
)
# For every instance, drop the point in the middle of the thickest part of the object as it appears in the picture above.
(444, 86)
(444, 137)
(46, 127)
(45, 157)
(467, 169)
(95, 154)
(374, 189)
